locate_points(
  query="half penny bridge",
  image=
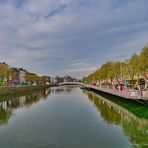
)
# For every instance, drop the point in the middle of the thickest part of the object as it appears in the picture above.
(71, 83)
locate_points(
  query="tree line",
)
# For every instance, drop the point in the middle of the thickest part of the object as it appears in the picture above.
(6, 73)
(134, 67)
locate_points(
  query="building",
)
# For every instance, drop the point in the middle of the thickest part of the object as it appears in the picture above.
(67, 79)
(57, 79)
(52, 80)
(17, 76)
(22, 75)
(14, 77)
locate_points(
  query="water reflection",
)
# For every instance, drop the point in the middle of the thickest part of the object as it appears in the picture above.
(9, 104)
(50, 121)
(65, 89)
(134, 127)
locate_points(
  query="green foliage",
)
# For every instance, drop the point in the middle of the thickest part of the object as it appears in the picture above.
(135, 66)
(144, 60)
(4, 72)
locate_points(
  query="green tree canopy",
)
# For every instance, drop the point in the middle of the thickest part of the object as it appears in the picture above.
(135, 66)
(4, 72)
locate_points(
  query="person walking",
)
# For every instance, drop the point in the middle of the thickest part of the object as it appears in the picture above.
(139, 90)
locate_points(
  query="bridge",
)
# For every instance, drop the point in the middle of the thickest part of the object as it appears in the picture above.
(71, 83)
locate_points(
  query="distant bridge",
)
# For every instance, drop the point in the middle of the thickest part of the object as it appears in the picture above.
(70, 83)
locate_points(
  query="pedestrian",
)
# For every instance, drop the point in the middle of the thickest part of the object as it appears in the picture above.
(116, 87)
(121, 87)
(139, 89)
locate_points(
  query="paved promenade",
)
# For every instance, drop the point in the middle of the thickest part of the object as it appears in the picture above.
(133, 94)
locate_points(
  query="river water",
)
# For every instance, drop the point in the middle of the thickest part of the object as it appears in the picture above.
(68, 117)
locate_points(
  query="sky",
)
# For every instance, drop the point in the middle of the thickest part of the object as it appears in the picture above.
(70, 37)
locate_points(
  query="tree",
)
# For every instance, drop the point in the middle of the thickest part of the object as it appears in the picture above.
(134, 65)
(31, 77)
(4, 72)
(143, 60)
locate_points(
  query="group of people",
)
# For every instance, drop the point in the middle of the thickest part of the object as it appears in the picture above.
(122, 87)
(119, 87)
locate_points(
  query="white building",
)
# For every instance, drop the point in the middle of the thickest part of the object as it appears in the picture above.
(22, 74)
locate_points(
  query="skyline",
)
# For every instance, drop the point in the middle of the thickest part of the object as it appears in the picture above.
(68, 37)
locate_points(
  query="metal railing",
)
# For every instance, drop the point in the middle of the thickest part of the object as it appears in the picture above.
(130, 94)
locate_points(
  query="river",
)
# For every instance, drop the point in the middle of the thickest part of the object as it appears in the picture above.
(68, 117)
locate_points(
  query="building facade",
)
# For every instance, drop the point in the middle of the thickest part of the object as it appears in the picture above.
(22, 74)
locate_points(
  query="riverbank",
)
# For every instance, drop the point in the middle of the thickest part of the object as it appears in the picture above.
(16, 90)
(130, 96)
(137, 108)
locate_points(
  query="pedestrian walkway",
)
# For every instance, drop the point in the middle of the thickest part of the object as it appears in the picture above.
(133, 94)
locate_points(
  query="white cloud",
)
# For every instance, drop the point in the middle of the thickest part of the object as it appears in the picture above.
(80, 67)
(38, 33)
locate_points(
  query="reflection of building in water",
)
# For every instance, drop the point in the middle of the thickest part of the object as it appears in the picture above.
(8, 107)
(57, 79)
(22, 101)
(47, 91)
(134, 127)
(65, 89)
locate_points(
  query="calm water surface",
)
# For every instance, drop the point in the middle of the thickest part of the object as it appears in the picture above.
(67, 117)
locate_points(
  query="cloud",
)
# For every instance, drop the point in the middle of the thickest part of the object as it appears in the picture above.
(77, 67)
(80, 67)
(47, 36)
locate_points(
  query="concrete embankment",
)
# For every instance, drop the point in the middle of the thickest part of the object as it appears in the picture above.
(131, 96)
(17, 90)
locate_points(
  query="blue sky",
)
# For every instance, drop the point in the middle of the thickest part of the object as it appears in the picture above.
(70, 37)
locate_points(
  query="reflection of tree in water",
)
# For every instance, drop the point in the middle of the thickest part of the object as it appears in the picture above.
(9, 105)
(5, 113)
(108, 115)
(135, 128)
(36, 97)
(133, 106)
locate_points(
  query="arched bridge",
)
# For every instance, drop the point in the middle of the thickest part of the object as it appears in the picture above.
(70, 83)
